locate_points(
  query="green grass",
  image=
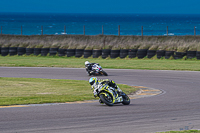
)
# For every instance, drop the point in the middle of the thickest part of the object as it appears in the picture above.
(15, 91)
(72, 62)
(185, 131)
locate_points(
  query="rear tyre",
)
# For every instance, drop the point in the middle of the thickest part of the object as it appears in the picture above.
(126, 99)
(108, 100)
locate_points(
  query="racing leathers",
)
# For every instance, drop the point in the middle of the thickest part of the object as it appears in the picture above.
(89, 68)
(100, 82)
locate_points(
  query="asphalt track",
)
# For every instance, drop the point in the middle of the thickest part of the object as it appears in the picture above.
(177, 108)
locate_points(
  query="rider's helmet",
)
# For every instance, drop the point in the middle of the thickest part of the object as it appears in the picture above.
(93, 81)
(87, 63)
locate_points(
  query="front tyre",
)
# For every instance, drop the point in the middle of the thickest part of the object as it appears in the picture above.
(104, 73)
(126, 99)
(108, 100)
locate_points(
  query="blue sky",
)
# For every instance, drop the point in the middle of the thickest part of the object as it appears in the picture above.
(102, 6)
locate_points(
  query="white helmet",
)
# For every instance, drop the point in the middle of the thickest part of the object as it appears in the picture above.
(87, 62)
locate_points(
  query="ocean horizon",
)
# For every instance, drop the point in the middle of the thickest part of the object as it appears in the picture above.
(130, 24)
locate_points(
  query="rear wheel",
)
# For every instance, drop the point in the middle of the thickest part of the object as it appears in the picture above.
(107, 99)
(126, 99)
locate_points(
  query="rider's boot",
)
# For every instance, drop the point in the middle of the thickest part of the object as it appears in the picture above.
(88, 73)
(92, 72)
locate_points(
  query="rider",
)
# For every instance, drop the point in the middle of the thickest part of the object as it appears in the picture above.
(88, 67)
(94, 82)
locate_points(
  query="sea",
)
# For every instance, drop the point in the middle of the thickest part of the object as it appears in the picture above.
(98, 24)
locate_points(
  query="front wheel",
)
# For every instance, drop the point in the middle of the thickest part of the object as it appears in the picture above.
(104, 73)
(107, 99)
(126, 99)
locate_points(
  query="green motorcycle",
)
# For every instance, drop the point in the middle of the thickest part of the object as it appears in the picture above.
(110, 96)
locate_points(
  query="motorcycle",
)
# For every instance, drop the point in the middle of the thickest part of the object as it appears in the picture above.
(110, 96)
(98, 70)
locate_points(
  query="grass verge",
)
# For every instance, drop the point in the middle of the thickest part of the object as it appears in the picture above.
(15, 91)
(72, 62)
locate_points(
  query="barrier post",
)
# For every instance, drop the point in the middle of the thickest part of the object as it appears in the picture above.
(194, 30)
